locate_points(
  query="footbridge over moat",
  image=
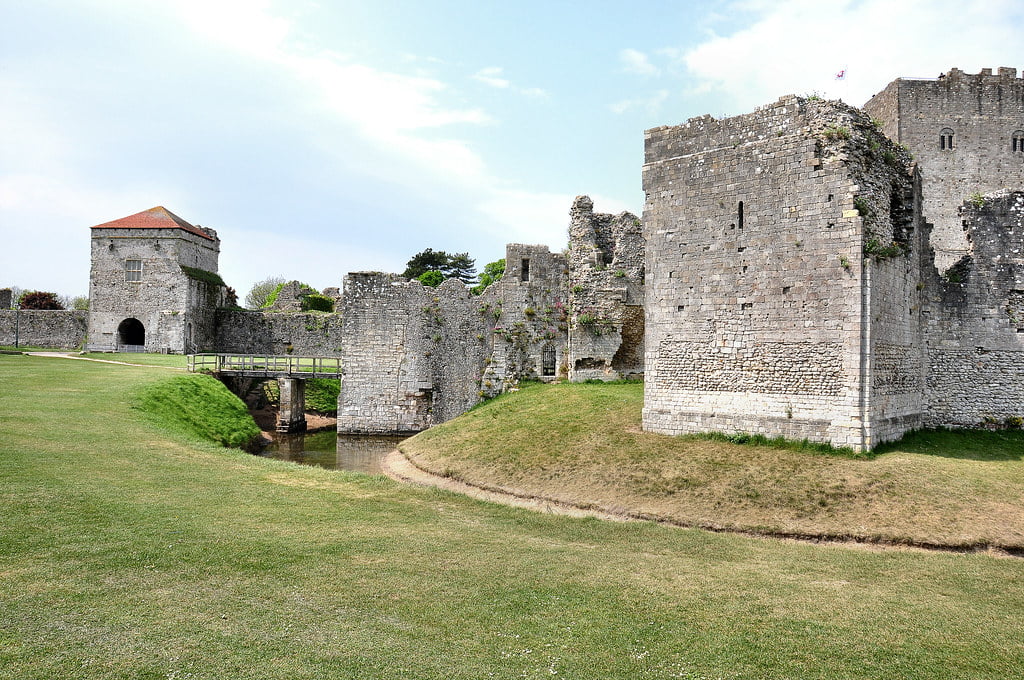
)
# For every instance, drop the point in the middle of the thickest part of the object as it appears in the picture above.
(291, 372)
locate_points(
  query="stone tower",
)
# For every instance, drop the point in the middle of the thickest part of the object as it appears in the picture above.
(153, 284)
(966, 131)
(782, 277)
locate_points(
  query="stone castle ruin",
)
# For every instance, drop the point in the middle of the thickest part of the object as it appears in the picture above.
(809, 270)
(792, 285)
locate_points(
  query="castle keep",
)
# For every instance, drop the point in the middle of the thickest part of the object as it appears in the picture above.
(792, 288)
(809, 270)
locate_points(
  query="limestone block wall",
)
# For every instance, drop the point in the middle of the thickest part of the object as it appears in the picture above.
(278, 333)
(412, 356)
(974, 320)
(982, 112)
(757, 307)
(386, 387)
(63, 329)
(606, 294)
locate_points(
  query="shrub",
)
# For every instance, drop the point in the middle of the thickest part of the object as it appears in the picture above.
(317, 303)
(432, 278)
(35, 299)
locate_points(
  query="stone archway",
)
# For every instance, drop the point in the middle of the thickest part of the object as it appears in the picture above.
(131, 332)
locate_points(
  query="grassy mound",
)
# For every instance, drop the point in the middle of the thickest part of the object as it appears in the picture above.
(200, 406)
(583, 444)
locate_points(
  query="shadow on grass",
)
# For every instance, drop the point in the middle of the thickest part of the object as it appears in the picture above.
(984, 445)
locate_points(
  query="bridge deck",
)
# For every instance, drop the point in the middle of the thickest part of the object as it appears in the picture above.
(263, 366)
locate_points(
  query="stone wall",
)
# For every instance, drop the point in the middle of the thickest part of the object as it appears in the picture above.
(63, 329)
(412, 356)
(278, 333)
(758, 303)
(606, 294)
(974, 320)
(982, 112)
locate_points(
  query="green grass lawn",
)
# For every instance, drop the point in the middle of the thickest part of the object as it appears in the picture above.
(583, 444)
(130, 551)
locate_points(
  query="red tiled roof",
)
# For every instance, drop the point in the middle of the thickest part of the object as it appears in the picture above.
(154, 218)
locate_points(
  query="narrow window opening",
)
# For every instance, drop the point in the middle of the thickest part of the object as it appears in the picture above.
(946, 139)
(524, 271)
(680, 308)
(739, 215)
(1018, 141)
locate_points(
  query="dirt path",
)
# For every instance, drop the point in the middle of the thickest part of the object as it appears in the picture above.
(72, 355)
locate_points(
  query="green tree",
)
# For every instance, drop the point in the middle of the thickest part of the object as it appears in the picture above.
(458, 266)
(258, 294)
(433, 278)
(425, 261)
(493, 271)
(37, 299)
(462, 267)
(80, 302)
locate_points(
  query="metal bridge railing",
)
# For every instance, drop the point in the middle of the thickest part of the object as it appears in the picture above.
(265, 365)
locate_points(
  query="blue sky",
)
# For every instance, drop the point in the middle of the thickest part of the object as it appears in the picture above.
(325, 137)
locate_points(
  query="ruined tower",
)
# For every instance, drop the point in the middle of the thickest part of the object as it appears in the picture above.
(153, 284)
(782, 292)
(966, 131)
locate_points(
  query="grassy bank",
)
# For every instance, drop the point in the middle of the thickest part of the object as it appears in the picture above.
(127, 551)
(583, 444)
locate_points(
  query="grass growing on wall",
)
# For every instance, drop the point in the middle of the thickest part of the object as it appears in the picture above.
(583, 443)
(200, 406)
(131, 551)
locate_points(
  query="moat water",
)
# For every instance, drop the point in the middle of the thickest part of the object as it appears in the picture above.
(328, 449)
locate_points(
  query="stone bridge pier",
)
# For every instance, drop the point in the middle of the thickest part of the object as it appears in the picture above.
(291, 416)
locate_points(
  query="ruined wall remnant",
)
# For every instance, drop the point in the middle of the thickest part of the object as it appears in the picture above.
(414, 356)
(606, 294)
(974, 320)
(529, 315)
(765, 235)
(966, 132)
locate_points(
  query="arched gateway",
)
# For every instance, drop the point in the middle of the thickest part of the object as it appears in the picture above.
(131, 334)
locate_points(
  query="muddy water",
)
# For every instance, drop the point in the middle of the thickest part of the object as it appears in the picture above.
(328, 449)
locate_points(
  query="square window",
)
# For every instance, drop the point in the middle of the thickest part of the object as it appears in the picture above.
(133, 270)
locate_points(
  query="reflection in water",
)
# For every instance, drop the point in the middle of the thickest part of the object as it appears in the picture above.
(328, 449)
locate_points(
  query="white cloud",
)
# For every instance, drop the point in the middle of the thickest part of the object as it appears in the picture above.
(650, 104)
(635, 61)
(797, 46)
(491, 76)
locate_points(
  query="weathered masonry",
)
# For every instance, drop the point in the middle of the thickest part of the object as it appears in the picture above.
(966, 131)
(791, 284)
(153, 285)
